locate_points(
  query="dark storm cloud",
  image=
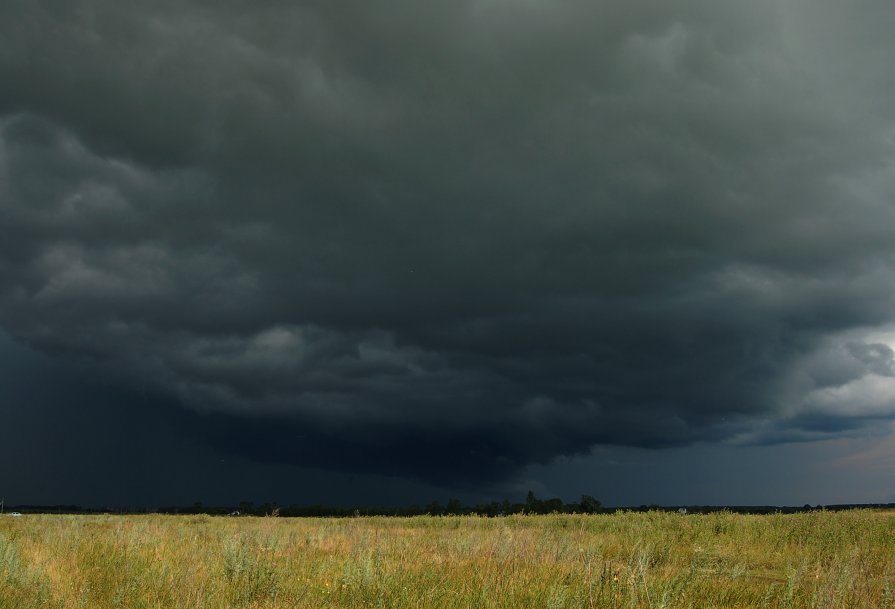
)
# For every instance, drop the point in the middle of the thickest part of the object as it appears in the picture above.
(450, 241)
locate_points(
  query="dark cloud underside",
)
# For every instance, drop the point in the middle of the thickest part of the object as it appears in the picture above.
(450, 241)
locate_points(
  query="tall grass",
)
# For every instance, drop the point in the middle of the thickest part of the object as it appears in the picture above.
(624, 560)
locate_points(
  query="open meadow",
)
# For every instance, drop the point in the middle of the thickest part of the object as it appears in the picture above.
(655, 559)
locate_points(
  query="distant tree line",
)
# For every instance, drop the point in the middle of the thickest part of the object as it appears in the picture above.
(532, 505)
(454, 507)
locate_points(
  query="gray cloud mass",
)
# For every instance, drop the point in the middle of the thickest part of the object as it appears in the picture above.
(452, 240)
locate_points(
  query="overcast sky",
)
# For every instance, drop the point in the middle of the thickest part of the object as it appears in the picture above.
(386, 252)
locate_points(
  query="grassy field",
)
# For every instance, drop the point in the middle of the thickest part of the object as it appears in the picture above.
(820, 559)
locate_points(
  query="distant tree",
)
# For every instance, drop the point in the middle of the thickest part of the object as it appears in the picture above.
(589, 505)
(549, 506)
(435, 509)
(531, 503)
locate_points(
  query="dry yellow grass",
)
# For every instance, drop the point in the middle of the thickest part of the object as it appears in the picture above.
(821, 559)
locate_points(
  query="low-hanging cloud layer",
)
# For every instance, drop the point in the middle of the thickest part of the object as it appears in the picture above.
(451, 240)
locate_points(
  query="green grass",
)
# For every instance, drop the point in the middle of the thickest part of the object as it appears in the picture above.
(822, 559)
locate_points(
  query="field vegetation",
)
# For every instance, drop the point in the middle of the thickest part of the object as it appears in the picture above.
(622, 560)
